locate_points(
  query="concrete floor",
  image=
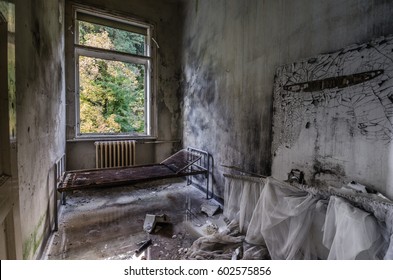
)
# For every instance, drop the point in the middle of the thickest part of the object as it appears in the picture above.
(108, 224)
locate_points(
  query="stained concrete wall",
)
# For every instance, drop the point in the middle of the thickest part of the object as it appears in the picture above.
(165, 16)
(40, 96)
(231, 50)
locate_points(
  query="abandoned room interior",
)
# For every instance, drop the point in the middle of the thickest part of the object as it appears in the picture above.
(196, 129)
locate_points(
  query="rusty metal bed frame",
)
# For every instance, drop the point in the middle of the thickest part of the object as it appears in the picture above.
(189, 162)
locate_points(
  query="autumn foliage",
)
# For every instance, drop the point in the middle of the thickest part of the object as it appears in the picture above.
(111, 93)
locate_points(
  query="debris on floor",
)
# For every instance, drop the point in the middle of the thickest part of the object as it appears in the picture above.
(237, 254)
(108, 224)
(222, 240)
(152, 220)
(143, 246)
(121, 225)
(210, 209)
(225, 244)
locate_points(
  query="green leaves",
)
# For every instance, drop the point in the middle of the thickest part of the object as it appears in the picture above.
(112, 93)
(104, 37)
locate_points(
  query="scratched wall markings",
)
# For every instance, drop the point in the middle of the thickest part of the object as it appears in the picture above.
(309, 91)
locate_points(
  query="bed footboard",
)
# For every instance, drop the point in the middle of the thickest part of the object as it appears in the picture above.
(204, 162)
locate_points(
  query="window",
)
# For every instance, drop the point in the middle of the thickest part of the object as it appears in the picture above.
(113, 65)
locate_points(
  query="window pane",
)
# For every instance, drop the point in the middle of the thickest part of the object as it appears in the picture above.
(112, 96)
(104, 37)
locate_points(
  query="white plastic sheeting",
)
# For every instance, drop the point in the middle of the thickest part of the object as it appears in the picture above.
(240, 198)
(302, 222)
(351, 233)
(283, 219)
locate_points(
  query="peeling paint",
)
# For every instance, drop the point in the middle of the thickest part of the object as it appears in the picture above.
(346, 114)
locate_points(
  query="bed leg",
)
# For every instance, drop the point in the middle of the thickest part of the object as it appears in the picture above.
(55, 209)
(56, 213)
(209, 170)
(63, 198)
(207, 186)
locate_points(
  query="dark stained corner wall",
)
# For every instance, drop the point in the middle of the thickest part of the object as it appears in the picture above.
(231, 50)
(40, 98)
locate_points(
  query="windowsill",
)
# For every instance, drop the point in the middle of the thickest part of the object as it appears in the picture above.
(110, 138)
(141, 140)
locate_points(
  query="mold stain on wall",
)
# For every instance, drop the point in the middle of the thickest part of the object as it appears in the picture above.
(31, 245)
(40, 112)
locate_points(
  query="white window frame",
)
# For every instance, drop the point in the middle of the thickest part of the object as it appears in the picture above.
(148, 60)
(4, 129)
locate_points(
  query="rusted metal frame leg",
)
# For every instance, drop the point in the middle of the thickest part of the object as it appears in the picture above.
(56, 212)
(189, 178)
(62, 202)
(207, 184)
(208, 168)
(63, 198)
